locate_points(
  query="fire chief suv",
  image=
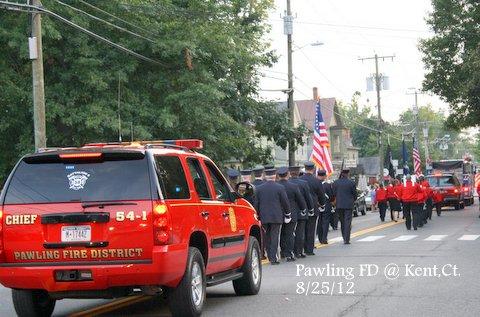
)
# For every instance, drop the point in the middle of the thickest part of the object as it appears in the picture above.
(115, 219)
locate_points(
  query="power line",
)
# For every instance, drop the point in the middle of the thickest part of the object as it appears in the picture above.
(29, 8)
(117, 18)
(104, 21)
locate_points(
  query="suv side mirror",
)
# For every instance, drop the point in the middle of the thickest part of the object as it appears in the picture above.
(244, 189)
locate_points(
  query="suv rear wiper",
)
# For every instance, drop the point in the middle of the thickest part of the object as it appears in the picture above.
(103, 204)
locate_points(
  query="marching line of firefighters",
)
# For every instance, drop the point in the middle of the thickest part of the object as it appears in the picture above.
(295, 206)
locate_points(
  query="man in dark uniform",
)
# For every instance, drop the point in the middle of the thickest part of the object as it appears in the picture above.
(271, 202)
(246, 176)
(303, 216)
(325, 217)
(258, 174)
(297, 206)
(345, 192)
(233, 177)
(318, 197)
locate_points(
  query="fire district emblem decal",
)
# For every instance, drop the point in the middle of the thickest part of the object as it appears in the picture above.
(77, 180)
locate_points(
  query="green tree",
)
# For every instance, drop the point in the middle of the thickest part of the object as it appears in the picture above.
(205, 86)
(452, 59)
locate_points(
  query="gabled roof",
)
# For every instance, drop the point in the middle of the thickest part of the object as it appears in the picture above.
(306, 108)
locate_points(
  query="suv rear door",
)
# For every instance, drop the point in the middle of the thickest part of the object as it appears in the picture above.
(79, 207)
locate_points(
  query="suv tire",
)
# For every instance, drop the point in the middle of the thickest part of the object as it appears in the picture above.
(32, 303)
(249, 283)
(457, 206)
(188, 298)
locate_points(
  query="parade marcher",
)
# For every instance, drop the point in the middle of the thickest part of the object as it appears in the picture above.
(233, 175)
(246, 176)
(325, 217)
(409, 199)
(303, 216)
(345, 192)
(381, 198)
(398, 193)
(318, 198)
(271, 202)
(373, 196)
(419, 207)
(428, 198)
(297, 207)
(393, 199)
(258, 174)
(438, 201)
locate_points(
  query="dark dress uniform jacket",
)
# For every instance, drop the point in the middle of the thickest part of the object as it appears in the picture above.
(305, 190)
(258, 182)
(316, 191)
(328, 188)
(295, 198)
(345, 193)
(271, 202)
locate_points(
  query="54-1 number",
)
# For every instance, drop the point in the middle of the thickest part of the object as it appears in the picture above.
(122, 216)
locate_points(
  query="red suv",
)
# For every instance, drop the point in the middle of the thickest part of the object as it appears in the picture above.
(449, 187)
(112, 220)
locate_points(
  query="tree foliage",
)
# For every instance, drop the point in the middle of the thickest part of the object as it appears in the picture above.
(452, 59)
(206, 85)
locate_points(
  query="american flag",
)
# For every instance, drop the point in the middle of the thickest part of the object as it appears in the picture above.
(320, 152)
(417, 163)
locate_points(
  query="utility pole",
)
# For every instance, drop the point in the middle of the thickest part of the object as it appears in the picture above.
(288, 30)
(378, 87)
(416, 112)
(35, 45)
(427, 154)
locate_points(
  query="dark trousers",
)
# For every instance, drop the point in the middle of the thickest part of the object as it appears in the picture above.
(287, 239)
(417, 215)
(334, 221)
(382, 208)
(438, 207)
(300, 237)
(272, 234)
(310, 234)
(407, 213)
(422, 219)
(429, 208)
(323, 223)
(345, 216)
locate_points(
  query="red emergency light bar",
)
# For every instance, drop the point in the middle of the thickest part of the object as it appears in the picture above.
(191, 144)
(89, 155)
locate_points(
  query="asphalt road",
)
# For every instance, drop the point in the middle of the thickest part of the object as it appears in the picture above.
(430, 272)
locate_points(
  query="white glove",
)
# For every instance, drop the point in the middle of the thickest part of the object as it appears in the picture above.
(288, 218)
(322, 208)
(311, 213)
(303, 213)
(333, 210)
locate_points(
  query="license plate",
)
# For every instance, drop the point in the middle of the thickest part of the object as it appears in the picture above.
(76, 233)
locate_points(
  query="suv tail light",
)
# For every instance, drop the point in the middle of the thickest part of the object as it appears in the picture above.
(455, 191)
(162, 225)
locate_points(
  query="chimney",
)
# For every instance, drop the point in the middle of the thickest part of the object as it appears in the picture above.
(315, 94)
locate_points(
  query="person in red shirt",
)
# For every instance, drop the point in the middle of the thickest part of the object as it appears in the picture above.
(429, 198)
(398, 192)
(410, 192)
(393, 199)
(381, 199)
(438, 201)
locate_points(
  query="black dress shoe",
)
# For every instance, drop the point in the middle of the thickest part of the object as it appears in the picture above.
(310, 253)
(414, 228)
(303, 255)
(275, 263)
(291, 259)
(323, 242)
(346, 242)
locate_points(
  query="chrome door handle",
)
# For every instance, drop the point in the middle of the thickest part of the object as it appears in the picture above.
(205, 214)
(225, 214)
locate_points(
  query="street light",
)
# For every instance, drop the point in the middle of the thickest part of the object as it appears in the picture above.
(317, 43)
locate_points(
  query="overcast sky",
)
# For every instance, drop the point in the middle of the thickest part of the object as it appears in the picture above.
(351, 29)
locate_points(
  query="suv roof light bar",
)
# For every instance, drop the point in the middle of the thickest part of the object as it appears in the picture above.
(189, 144)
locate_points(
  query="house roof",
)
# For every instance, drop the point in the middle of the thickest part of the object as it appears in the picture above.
(306, 108)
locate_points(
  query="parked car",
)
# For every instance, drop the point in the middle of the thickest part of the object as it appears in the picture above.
(113, 220)
(360, 205)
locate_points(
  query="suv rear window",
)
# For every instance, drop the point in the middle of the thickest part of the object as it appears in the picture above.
(68, 182)
(443, 181)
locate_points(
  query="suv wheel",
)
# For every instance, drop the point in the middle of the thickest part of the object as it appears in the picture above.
(457, 206)
(32, 303)
(188, 297)
(249, 283)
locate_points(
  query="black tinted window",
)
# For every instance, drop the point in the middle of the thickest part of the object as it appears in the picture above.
(198, 178)
(222, 191)
(93, 181)
(171, 177)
